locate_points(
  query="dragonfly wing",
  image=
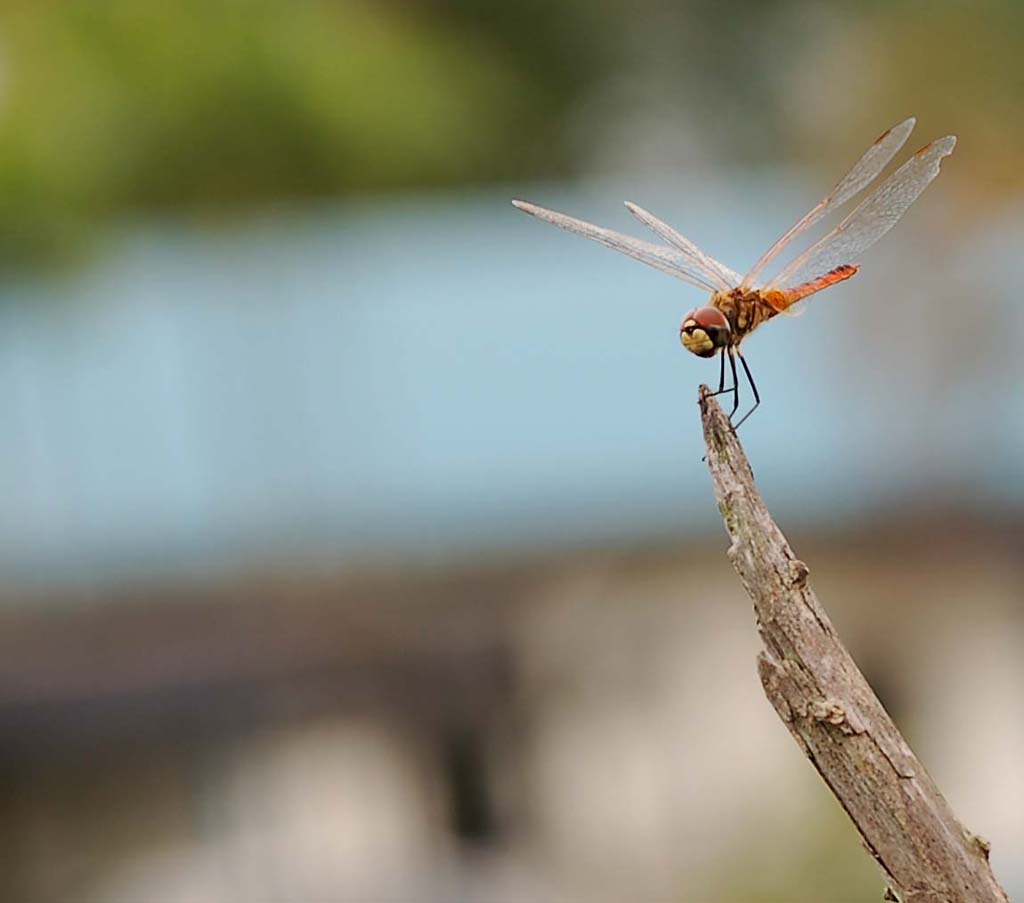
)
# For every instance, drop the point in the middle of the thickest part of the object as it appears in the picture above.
(875, 216)
(864, 172)
(716, 272)
(668, 260)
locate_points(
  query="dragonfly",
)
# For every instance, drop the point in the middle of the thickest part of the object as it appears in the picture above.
(739, 304)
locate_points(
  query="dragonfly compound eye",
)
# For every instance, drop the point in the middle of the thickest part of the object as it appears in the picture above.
(704, 331)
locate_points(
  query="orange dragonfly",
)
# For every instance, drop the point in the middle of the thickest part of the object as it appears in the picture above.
(739, 304)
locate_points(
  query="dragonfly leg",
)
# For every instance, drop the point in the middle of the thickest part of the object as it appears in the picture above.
(735, 384)
(722, 390)
(753, 386)
(721, 384)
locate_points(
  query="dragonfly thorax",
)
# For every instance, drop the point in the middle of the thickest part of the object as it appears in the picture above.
(744, 310)
(704, 331)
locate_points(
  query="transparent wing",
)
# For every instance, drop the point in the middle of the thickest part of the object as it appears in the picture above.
(668, 260)
(875, 216)
(715, 271)
(864, 172)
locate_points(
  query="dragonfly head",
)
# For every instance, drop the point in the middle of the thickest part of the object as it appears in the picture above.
(704, 331)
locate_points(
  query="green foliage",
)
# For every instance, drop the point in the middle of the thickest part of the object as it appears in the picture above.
(109, 106)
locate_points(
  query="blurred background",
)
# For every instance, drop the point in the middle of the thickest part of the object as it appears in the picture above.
(355, 541)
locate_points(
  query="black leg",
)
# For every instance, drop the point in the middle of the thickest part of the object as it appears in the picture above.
(722, 390)
(753, 386)
(721, 385)
(735, 384)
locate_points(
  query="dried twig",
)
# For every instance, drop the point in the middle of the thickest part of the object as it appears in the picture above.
(926, 855)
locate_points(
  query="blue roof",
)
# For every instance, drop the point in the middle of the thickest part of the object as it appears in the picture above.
(444, 376)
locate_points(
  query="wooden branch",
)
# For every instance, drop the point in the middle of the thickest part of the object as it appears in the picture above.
(925, 854)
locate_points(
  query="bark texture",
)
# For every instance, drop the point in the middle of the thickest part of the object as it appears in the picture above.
(924, 852)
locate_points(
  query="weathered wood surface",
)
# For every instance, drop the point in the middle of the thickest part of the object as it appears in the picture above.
(924, 852)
